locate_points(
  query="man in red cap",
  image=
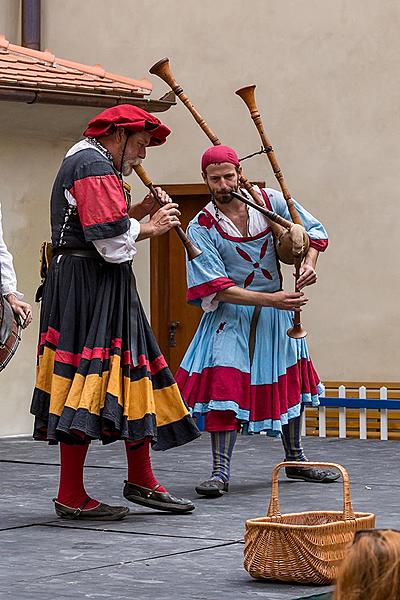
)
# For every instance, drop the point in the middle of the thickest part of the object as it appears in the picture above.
(100, 373)
(240, 372)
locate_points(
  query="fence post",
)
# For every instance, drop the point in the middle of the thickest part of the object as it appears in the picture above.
(322, 419)
(384, 414)
(303, 423)
(342, 413)
(363, 413)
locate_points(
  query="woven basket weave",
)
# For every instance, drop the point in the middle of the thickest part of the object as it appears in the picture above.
(305, 547)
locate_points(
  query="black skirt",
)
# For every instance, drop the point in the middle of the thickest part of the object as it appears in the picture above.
(100, 373)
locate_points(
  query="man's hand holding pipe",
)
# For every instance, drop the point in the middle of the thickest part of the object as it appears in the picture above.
(308, 273)
(161, 222)
(149, 204)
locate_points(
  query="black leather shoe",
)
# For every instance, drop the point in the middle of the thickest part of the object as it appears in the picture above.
(212, 488)
(102, 512)
(312, 474)
(158, 500)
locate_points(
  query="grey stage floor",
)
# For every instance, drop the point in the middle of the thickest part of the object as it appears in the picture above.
(158, 555)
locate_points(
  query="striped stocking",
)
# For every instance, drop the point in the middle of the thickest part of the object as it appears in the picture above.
(291, 439)
(222, 443)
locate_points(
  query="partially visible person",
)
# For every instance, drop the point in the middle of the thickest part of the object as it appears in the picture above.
(8, 283)
(371, 569)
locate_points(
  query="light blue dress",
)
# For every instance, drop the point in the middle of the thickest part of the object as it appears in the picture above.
(216, 373)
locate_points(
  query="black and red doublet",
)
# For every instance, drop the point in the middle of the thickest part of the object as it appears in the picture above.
(100, 373)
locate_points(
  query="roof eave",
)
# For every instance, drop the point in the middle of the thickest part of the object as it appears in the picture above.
(62, 97)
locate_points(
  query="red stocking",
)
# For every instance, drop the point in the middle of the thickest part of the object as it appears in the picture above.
(71, 491)
(139, 465)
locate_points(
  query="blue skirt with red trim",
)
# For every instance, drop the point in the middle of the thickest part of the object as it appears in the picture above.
(100, 373)
(217, 375)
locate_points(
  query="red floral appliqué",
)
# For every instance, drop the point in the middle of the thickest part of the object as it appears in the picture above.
(205, 221)
(263, 249)
(255, 263)
(221, 326)
(249, 279)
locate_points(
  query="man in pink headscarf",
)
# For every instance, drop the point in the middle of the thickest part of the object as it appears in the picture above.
(100, 372)
(240, 372)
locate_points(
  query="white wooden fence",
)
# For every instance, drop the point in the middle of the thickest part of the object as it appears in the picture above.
(362, 403)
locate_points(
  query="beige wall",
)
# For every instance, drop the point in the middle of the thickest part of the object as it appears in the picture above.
(328, 88)
(23, 196)
(10, 19)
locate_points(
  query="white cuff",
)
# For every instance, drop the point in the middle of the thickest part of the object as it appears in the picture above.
(121, 248)
(134, 229)
(209, 304)
(18, 295)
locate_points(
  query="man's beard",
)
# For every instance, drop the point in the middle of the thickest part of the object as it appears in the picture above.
(223, 198)
(127, 166)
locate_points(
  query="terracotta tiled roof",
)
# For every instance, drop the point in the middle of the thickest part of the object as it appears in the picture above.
(21, 67)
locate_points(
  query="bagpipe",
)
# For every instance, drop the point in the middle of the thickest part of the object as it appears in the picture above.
(291, 239)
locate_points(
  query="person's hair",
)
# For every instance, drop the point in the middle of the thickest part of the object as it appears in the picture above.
(371, 569)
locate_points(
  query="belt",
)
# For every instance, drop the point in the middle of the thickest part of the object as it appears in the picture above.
(253, 330)
(82, 253)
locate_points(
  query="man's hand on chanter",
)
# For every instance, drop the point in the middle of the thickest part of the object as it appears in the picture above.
(151, 205)
(288, 300)
(308, 276)
(165, 218)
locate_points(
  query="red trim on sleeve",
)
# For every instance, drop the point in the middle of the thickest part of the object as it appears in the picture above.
(210, 287)
(99, 199)
(320, 245)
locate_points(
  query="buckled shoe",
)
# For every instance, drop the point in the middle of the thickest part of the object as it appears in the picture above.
(102, 512)
(154, 499)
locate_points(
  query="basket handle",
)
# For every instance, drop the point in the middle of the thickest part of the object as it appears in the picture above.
(274, 508)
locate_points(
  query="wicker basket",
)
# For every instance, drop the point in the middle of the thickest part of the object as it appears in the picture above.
(304, 547)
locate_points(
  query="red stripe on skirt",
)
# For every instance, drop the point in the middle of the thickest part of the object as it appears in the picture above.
(266, 401)
(52, 336)
(104, 353)
(152, 367)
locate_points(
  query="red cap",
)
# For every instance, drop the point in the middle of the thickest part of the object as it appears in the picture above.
(131, 118)
(219, 154)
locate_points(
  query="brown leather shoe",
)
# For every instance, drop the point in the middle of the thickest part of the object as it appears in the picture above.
(102, 512)
(212, 488)
(158, 500)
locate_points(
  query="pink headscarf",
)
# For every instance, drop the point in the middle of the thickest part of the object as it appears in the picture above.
(219, 154)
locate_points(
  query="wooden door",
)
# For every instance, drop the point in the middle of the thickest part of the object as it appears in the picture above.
(174, 322)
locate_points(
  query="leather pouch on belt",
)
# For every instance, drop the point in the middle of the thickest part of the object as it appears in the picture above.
(46, 254)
